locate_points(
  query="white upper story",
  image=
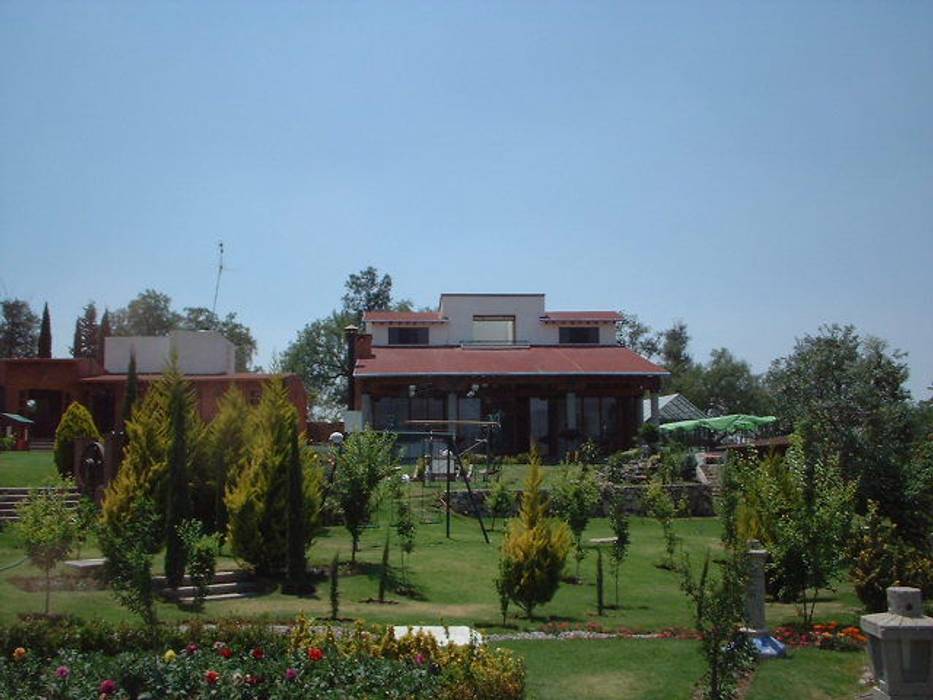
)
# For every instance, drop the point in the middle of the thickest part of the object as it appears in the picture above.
(491, 320)
(198, 352)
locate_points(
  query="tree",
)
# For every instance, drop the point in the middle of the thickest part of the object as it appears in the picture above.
(46, 529)
(127, 545)
(366, 458)
(660, 506)
(131, 392)
(104, 331)
(180, 397)
(500, 502)
(728, 386)
(87, 333)
(384, 570)
(534, 549)
(618, 522)
(296, 518)
(19, 329)
(201, 551)
(334, 576)
(319, 356)
(76, 422)
(600, 597)
(229, 447)
(150, 313)
(573, 497)
(637, 336)
(198, 318)
(366, 291)
(847, 395)
(45, 333)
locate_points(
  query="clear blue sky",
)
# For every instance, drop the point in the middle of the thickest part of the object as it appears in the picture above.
(755, 169)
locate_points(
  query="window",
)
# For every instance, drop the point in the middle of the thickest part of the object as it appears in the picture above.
(408, 336)
(493, 329)
(579, 335)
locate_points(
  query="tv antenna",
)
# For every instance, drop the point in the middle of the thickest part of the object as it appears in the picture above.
(220, 271)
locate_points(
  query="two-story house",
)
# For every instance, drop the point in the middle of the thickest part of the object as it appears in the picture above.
(553, 378)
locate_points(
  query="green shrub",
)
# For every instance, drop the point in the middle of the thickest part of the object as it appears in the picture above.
(574, 496)
(76, 423)
(202, 550)
(501, 502)
(128, 544)
(660, 506)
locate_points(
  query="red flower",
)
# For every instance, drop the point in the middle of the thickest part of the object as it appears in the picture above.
(253, 680)
(226, 652)
(212, 677)
(192, 648)
(108, 687)
(258, 653)
(315, 654)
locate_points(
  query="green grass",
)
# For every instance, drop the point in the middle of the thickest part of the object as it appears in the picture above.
(647, 669)
(810, 674)
(26, 468)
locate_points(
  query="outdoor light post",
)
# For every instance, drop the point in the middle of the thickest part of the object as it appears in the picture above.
(755, 625)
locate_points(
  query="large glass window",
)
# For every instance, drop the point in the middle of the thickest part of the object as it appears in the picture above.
(390, 414)
(493, 329)
(408, 336)
(579, 335)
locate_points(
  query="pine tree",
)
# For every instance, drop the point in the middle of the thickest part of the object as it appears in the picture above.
(103, 332)
(296, 524)
(76, 341)
(86, 333)
(334, 588)
(179, 498)
(131, 392)
(229, 447)
(534, 550)
(45, 333)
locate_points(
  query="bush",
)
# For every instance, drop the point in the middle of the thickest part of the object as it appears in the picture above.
(534, 550)
(573, 497)
(128, 544)
(76, 423)
(500, 502)
(202, 550)
(7, 442)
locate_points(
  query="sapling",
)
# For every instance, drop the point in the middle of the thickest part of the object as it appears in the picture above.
(334, 588)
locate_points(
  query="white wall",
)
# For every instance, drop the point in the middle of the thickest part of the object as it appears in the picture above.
(460, 310)
(199, 352)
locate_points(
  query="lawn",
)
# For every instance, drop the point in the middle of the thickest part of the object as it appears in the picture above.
(25, 468)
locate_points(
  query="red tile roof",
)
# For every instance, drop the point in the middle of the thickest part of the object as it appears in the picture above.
(535, 360)
(235, 377)
(404, 316)
(594, 316)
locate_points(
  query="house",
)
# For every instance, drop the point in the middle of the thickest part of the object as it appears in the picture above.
(550, 378)
(674, 407)
(42, 388)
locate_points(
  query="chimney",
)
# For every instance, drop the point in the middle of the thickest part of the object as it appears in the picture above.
(364, 346)
(350, 334)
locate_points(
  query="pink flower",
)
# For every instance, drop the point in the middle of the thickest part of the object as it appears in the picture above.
(291, 674)
(108, 687)
(63, 672)
(419, 659)
(192, 648)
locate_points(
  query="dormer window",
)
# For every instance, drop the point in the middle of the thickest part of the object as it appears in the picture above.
(408, 336)
(579, 335)
(493, 329)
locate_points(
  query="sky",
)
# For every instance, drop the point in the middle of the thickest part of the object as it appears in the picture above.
(754, 169)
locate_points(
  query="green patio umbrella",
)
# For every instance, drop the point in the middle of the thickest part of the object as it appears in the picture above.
(735, 423)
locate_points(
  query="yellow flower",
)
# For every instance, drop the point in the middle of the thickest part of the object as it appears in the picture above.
(169, 656)
(19, 654)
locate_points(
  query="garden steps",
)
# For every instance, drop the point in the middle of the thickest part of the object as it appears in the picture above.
(41, 445)
(11, 497)
(226, 585)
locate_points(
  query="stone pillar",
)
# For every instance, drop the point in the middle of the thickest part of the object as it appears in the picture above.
(655, 410)
(900, 647)
(755, 558)
(366, 407)
(571, 410)
(452, 411)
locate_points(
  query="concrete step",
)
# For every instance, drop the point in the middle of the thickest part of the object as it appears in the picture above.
(219, 577)
(214, 589)
(221, 596)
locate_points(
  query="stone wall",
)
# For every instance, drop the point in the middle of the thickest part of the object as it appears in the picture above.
(698, 497)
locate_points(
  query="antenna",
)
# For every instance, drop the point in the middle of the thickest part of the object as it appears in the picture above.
(220, 271)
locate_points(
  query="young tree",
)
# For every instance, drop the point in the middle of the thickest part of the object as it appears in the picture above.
(365, 459)
(334, 575)
(19, 329)
(574, 496)
(600, 597)
(296, 534)
(45, 333)
(618, 521)
(85, 517)
(179, 495)
(127, 544)
(534, 549)
(131, 392)
(500, 502)
(76, 422)
(46, 529)
(660, 506)
(384, 570)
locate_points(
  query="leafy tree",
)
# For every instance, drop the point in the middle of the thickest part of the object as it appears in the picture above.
(718, 614)
(728, 385)
(150, 313)
(573, 497)
(45, 333)
(131, 392)
(660, 506)
(405, 530)
(180, 398)
(847, 395)
(229, 447)
(637, 336)
(127, 545)
(19, 329)
(47, 529)
(87, 333)
(618, 522)
(76, 422)
(367, 291)
(534, 549)
(500, 502)
(365, 460)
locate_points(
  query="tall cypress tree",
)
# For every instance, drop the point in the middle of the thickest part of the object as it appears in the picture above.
(178, 505)
(45, 333)
(296, 530)
(76, 341)
(131, 393)
(103, 331)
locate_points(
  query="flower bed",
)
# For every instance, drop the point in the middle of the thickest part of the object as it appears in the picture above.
(822, 636)
(566, 628)
(312, 663)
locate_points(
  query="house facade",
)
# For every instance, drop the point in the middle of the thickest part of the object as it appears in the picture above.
(549, 378)
(41, 389)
